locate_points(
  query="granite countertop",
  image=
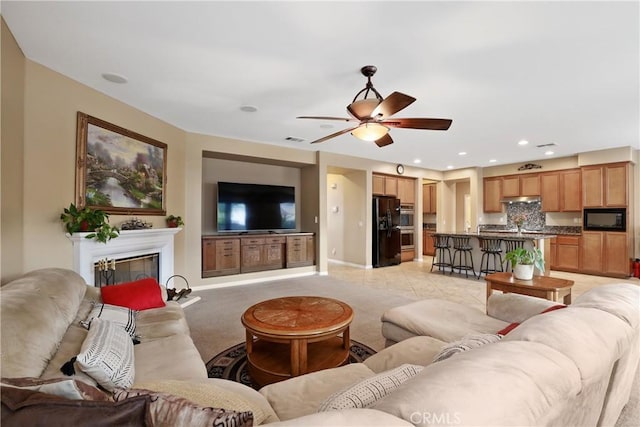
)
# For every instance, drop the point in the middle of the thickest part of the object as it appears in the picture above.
(525, 235)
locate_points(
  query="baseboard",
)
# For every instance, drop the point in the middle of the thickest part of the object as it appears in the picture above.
(189, 301)
(348, 264)
(252, 281)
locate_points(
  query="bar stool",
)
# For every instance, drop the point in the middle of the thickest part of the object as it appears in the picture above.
(511, 244)
(441, 244)
(461, 245)
(491, 249)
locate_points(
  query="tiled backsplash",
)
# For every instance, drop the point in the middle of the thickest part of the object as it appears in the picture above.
(532, 211)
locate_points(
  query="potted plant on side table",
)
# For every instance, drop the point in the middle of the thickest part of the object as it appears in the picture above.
(90, 220)
(523, 261)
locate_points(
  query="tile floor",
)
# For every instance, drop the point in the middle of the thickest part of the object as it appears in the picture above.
(414, 280)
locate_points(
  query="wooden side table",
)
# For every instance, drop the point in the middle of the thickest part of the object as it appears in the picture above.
(550, 288)
(291, 336)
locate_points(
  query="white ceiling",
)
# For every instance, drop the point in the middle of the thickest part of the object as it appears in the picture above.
(548, 72)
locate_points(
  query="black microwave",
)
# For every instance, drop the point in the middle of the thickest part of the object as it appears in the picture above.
(609, 219)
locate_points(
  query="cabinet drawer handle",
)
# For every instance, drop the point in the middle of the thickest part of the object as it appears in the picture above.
(227, 255)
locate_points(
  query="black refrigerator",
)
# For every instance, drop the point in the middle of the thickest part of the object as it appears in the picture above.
(386, 231)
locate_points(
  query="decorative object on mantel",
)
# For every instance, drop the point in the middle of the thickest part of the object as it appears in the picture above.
(119, 171)
(523, 261)
(135, 224)
(174, 221)
(529, 166)
(90, 220)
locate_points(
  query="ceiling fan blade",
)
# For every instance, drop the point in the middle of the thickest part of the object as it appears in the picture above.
(392, 104)
(333, 135)
(342, 119)
(432, 124)
(385, 140)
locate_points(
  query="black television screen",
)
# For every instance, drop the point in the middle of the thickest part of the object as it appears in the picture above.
(252, 207)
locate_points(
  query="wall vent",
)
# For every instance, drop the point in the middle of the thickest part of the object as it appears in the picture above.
(294, 139)
(551, 144)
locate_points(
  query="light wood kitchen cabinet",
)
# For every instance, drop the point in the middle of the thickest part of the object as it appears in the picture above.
(606, 253)
(567, 256)
(605, 185)
(429, 198)
(521, 185)
(560, 191)
(427, 243)
(383, 185)
(220, 256)
(530, 184)
(406, 191)
(511, 186)
(492, 193)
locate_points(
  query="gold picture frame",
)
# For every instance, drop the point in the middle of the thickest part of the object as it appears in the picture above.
(119, 171)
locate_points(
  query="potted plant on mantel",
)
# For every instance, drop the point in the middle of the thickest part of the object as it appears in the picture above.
(94, 221)
(174, 221)
(523, 261)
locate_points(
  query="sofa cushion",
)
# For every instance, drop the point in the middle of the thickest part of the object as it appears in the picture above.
(505, 383)
(121, 316)
(48, 297)
(348, 417)
(107, 355)
(206, 394)
(516, 308)
(366, 392)
(25, 407)
(138, 295)
(445, 320)
(591, 338)
(169, 410)
(63, 387)
(249, 394)
(466, 343)
(416, 350)
(161, 322)
(621, 300)
(299, 396)
(170, 358)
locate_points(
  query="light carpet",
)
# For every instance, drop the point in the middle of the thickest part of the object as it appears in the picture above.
(215, 320)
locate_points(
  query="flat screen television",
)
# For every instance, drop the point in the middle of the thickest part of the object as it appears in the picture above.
(255, 207)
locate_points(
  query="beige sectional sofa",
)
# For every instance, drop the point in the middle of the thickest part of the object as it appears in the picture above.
(573, 366)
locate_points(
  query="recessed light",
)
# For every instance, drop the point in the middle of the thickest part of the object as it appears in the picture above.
(450, 167)
(416, 161)
(326, 126)
(115, 78)
(248, 109)
(548, 153)
(492, 160)
(462, 153)
(523, 142)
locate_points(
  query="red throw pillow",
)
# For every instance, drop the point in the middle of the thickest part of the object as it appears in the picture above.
(139, 295)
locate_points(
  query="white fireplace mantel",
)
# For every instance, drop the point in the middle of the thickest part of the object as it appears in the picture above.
(130, 243)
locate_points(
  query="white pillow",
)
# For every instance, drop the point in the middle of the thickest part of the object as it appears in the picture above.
(368, 391)
(107, 355)
(466, 343)
(122, 316)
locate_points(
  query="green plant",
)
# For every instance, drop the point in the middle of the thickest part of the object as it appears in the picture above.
(93, 220)
(174, 221)
(525, 257)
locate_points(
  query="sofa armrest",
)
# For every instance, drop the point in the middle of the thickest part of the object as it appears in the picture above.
(515, 307)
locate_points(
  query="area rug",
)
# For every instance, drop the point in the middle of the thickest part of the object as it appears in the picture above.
(231, 364)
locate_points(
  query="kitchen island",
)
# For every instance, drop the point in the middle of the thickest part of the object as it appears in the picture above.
(530, 239)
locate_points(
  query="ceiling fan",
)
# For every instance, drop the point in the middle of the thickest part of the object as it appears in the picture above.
(373, 115)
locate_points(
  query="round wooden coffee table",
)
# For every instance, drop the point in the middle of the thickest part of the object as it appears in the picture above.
(291, 336)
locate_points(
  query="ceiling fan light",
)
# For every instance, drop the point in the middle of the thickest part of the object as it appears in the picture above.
(370, 131)
(364, 107)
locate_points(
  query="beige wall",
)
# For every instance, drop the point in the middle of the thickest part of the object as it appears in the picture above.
(335, 216)
(547, 165)
(12, 159)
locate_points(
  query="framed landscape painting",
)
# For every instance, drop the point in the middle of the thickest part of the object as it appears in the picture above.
(119, 171)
